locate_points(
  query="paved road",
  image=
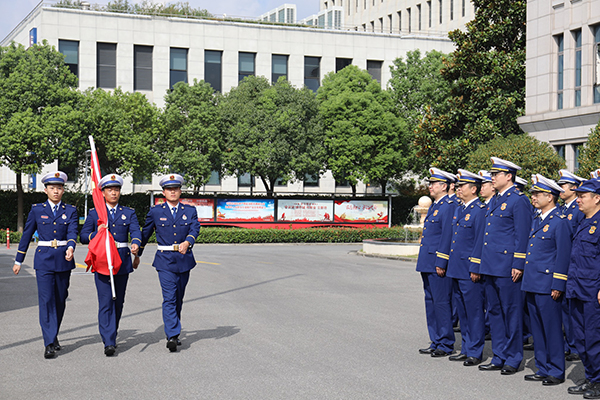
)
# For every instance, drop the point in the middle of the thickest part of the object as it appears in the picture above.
(259, 322)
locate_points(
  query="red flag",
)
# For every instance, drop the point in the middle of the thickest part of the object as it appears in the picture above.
(102, 250)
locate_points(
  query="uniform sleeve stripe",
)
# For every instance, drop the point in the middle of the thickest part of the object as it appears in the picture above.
(560, 276)
(136, 239)
(442, 255)
(191, 237)
(519, 255)
(475, 260)
(22, 252)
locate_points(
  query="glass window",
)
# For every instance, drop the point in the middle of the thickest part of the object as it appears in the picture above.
(577, 39)
(560, 150)
(341, 63)
(440, 11)
(464, 7)
(142, 180)
(560, 69)
(215, 178)
(279, 182)
(178, 66)
(70, 49)
(245, 180)
(577, 151)
(451, 10)
(279, 66)
(312, 73)
(419, 16)
(311, 181)
(142, 67)
(246, 65)
(106, 65)
(430, 11)
(281, 15)
(213, 68)
(374, 68)
(390, 23)
(399, 21)
(596, 61)
(409, 15)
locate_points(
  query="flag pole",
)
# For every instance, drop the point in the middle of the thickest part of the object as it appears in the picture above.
(96, 171)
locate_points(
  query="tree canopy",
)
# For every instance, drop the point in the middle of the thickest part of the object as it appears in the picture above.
(589, 157)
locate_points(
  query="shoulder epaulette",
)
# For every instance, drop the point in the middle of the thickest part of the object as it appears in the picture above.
(36, 205)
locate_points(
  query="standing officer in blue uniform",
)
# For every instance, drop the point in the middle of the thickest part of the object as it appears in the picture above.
(56, 223)
(508, 220)
(122, 223)
(433, 258)
(463, 267)
(583, 288)
(177, 227)
(568, 182)
(545, 281)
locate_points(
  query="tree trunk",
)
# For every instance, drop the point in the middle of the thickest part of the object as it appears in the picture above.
(19, 203)
(267, 186)
(353, 190)
(383, 183)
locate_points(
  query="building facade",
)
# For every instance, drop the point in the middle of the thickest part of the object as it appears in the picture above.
(562, 74)
(149, 54)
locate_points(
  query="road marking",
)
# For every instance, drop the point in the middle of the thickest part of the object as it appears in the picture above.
(206, 262)
(80, 265)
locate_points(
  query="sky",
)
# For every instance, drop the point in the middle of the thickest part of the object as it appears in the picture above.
(12, 12)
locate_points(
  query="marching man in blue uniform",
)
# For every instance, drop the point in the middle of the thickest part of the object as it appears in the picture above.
(583, 288)
(463, 267)
(508, 221)
(569, 182)
(176, 227)
(545, 281)
(432, 262)
(56, 223)
(122, 224)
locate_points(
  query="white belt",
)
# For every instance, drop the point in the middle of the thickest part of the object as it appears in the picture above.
(173, 247)
(121, 245)
(52, 243)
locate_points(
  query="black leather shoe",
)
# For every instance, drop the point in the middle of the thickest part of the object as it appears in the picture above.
(56, 345)
(508, 370)
(534, 377)
(49, 352)
(528, 347)
(471, 361)
(551, 381)
(439, 353)
(109, 351)
(572, 357)
(172, 344)
(579, 389)
(458, 357)
(490, 367)
(428, 350)
(178, 342)
(593, 391)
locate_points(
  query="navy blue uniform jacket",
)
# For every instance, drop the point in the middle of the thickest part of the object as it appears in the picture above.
(437, 235)
(125, 224)
(584, 268)
(548, 254)
(61, 227)
(185, 227)
(467, 225)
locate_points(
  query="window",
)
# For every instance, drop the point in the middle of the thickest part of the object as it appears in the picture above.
(212, 68)
(464, 7)
(451, 10)
(215, 178)
(372, 26)
(246, 65)
(279, 182)
(245, 180)
(281, 15)
(338, 19)
(419, 15)
(381, 24)
(178, 66)
(576, 151)
(390, 23)
(279, 67)
(330, 19)
(399, 21)
(341, 63)
(560, 150)
(311, 180)
(560, 69)
(430, 11)
(577, 40)
(440, 2)
(596, 61)
(106, 65)
(70, 49)
(142, 179)
(408, 13)
(312, 72)
(142, 67)
(374, 68)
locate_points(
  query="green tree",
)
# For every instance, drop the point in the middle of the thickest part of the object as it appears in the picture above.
(192, 141)
(34, 83)
(589, 157)
(272, 131)
(365, 140)
(487, 70)
(532, 155)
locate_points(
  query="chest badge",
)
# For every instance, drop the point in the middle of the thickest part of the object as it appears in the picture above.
(467, 217)
(435, 213)
(546, 228)
(64, 216)
(503, 206)
(570, 217)
(123, 217)
(592, 230)
(184, 217)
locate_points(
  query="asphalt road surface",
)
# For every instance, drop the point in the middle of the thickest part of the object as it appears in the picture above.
(259, 322)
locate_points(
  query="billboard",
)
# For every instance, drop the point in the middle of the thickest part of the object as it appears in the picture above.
(241, 210)
(305, 211)
(374, 211)
(204, 207)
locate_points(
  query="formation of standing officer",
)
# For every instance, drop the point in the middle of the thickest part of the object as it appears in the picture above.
(504, 259)
(176, 228)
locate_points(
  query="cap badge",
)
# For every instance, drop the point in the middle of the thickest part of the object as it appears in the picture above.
(435, 213)
(172, 177)
(503, 206)
(546, 228)
(57, 175)
(112, 177)
(467, 217)
(592, 230)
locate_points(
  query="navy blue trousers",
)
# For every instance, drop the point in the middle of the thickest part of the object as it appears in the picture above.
(568, 327)
(438, 310)
(53, 290)
(585, 317)
(173, 289)
(505, 309)
(468, 297)
(546, 328)
(109, 310)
